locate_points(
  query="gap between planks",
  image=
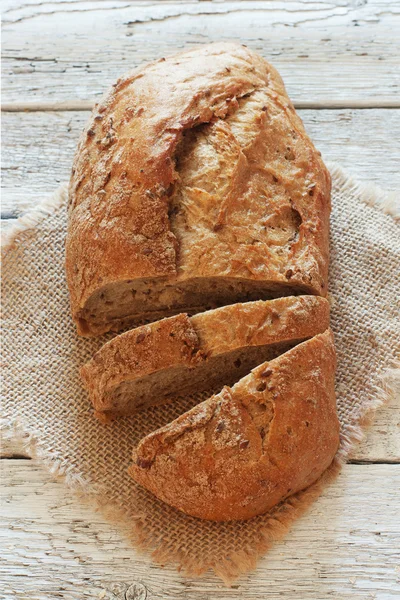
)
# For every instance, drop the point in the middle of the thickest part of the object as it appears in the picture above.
(323, 104)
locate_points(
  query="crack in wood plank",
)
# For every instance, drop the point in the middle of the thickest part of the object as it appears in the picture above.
(329, 63)
(199, 9)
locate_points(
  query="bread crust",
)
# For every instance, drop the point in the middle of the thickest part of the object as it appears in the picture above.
(136, 214)
(190, 341)
(247, 448)
(137, 353)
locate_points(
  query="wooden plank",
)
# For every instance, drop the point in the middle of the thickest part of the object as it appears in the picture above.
(382, 440)
(38, 149)
(12, 449)
(330, 52)
(53, 546)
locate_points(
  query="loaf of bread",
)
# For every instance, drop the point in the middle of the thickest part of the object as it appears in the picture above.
(183, 354)
(247, 448)
(194, 186)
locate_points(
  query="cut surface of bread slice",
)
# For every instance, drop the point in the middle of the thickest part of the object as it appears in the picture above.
(194, 186)
(249, 447)
(174, 356)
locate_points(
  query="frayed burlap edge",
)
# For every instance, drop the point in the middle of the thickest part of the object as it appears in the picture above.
(283, 516)
(370, 193)
(33, 217)
(235, 564)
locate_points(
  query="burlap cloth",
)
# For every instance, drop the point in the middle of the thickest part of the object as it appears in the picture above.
(45, 404)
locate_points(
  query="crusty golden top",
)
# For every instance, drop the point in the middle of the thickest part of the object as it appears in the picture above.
(197, 166)
(243, 450)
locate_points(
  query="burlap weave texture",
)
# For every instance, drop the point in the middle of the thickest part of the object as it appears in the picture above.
(43, 396)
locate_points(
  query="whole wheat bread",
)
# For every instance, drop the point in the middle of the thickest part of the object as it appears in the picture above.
(195, 186)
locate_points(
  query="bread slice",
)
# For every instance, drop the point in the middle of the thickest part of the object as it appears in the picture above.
(247, 448)
(194, 186)
(181, 354)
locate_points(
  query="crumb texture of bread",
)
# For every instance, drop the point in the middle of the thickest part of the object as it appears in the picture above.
(247, 448)
(194, 186)
(183, 354)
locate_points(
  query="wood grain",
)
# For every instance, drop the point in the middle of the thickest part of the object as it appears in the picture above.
(38, 149)
(333, 54)
(53, 546)
(329, 52)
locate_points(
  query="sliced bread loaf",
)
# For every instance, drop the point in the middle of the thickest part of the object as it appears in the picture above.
(174, 356)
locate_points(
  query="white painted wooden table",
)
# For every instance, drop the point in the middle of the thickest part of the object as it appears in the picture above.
(340, 62)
